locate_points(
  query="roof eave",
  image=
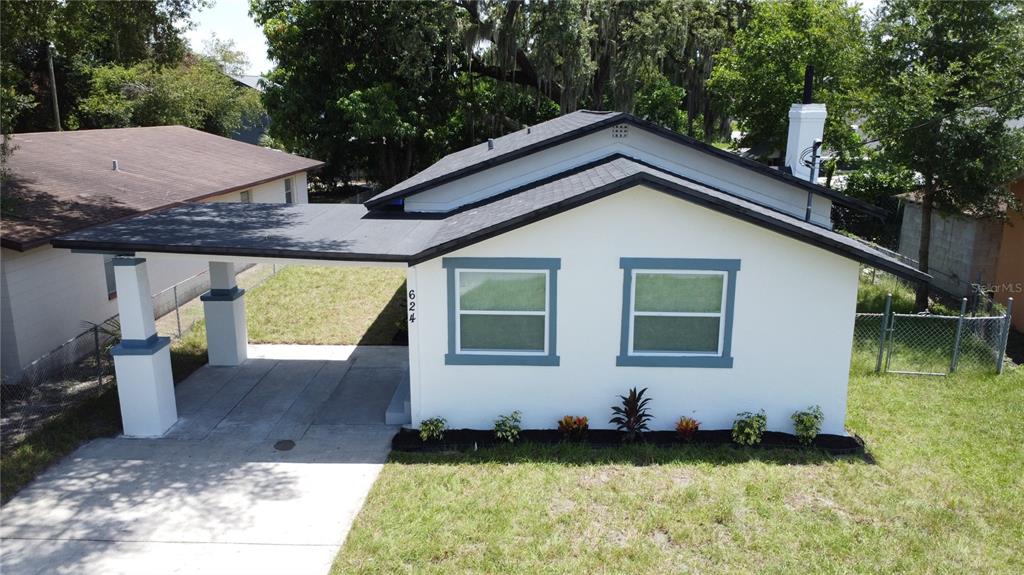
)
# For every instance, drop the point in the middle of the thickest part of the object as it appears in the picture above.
(660, 184)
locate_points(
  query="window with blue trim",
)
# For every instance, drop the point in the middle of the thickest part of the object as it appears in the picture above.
(501, 311)
(677, 312)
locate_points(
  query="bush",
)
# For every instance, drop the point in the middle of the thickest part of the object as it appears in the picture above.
(686, 428)
(433, 428)
(749, 427)
(633, 415)
(573, 428)
(808, 424)
(506, 427)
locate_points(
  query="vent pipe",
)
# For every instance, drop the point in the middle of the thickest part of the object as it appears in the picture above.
(113, 165)
(808, 84)
(490, 143)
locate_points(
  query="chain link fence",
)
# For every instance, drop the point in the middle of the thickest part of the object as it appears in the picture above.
(82, 367)
(928, 344)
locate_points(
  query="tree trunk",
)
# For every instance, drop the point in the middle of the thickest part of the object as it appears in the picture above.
(927, 206)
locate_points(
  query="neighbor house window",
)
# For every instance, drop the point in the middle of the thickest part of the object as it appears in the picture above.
(501, 311)
(677, 312)
(246, 197)
(108, 270)
(288, 191)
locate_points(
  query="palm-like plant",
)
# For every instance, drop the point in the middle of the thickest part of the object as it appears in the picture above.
(632, 416)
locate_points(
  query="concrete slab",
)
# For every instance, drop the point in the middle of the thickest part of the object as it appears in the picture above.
(215, 495)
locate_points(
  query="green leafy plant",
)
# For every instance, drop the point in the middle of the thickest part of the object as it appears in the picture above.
(433, 428)
(574, 428)
(808, 424)
(686, 428)
(749, 427)
(506, 427)
(632, 416)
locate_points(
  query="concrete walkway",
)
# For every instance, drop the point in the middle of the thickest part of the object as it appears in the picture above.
(215, 495)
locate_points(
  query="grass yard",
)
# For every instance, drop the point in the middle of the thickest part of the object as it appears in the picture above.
(941, 492)
(328, 305)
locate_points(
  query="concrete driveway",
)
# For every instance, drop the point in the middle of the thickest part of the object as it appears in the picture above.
(220, 493)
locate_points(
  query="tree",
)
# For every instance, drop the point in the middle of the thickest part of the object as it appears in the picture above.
(762, 74)
(367, 86)
(947, 77)
(85, 34)
(195, 93)
(225, 55)
(386, 88)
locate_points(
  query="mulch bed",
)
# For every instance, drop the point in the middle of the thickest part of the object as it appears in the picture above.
(464, 439)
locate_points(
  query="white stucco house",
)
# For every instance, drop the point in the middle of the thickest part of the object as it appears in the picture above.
(65, 181)
(550, 270)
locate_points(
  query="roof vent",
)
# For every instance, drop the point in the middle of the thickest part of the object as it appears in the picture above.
(528, 128)
(490, 143)
(620, 131)
(114, 165)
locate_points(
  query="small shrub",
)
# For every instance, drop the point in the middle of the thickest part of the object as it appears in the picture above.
(632, 416)
(573, 428)
(808, 424)
(686, 428)
(506, 427)
(433, 428)
(749, 427)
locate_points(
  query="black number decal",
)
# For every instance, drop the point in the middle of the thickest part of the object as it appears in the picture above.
(412, 306)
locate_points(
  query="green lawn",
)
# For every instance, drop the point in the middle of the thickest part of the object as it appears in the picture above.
(328, 305)
(940, 492)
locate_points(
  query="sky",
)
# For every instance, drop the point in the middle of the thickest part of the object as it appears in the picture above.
(229, 20)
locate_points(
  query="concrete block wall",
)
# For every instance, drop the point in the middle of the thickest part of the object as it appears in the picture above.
(963, 250)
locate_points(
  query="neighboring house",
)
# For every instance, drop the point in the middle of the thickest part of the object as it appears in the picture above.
(550, 270)
(251, 134)
(65, 181)
(967, 250)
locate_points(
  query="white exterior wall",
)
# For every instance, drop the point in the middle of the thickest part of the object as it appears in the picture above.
(270, 192)
(639, 144)
(792, 330)
(51, 292)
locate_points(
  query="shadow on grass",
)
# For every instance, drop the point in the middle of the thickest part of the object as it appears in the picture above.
(575, 454)
(389, 327)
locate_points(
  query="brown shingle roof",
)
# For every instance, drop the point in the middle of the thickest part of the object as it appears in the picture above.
(64, 181)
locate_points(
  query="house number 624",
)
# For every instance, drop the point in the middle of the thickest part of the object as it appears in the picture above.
(412, 305)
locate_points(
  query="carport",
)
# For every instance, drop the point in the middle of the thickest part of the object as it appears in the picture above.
(227, 236)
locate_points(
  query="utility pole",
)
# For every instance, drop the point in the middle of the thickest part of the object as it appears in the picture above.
(53, 85)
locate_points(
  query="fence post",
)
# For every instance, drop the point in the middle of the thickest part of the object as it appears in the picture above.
(881, 334)
(1005, 336)
(177, 313)
(959, 333)
(99, 354)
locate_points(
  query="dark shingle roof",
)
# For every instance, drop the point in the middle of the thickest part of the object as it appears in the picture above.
(569, 127)
(351, 232)
(63, 181)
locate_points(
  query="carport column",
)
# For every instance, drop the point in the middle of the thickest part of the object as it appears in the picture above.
(142, 361)
(227, 334)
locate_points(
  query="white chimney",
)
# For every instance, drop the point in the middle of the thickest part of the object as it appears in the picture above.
(806, 124)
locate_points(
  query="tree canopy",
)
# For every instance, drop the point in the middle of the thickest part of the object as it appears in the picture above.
(945, 80)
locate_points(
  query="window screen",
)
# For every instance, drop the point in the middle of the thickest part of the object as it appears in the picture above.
(502, 311)
(677, 312)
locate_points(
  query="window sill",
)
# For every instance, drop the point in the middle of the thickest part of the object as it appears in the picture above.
(673, 361)
(474, 359)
